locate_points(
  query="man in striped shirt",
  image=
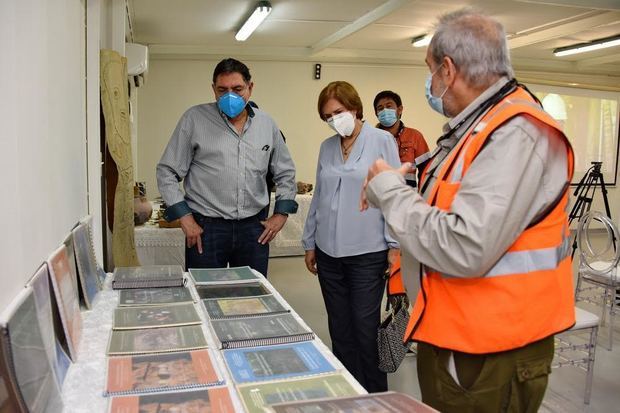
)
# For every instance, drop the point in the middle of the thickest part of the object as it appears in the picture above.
(222, 152)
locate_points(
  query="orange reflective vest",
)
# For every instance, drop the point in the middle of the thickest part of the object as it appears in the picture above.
(528, 294)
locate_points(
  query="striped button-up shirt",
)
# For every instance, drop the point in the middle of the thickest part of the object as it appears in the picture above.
(224, 171)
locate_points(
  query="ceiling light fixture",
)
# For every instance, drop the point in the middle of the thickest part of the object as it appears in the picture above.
(588, 47)
(263, 8)
(421, 41)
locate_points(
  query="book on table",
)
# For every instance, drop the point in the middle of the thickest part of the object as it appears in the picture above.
(161, 372)
(259, 331)
(30, 380)
(168, 315)
(257, 396)
(156, 340)
(230, 275)
(49, 322)
(213, 400)
(70, 249)
(148, 276)
(276, 362)
(154, 296)
(90, 284)
(387, 402)
(253, 289)
(218, 308)
(67, 300)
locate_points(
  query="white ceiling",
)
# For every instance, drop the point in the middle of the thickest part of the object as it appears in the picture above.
(374, 30)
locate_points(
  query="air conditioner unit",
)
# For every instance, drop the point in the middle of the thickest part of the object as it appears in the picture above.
(137, 63)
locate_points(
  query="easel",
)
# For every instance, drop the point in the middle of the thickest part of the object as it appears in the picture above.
(586, 188)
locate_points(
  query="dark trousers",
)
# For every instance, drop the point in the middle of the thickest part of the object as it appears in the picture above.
(352, 289)
(229, 242)
(511, 381)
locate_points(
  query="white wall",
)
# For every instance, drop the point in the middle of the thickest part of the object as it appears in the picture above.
(42, 144)
(289, 93)
(286, 90)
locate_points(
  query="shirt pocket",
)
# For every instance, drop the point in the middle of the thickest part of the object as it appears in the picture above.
(257, 159)
(406, 150)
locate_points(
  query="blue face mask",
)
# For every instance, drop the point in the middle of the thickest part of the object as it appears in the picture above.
(435, 102)
(231, 104)
(387, 117)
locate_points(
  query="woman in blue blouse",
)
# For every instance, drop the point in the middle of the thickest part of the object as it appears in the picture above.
(348, 249)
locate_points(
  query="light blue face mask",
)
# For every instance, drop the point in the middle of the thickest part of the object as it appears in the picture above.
(435, 102)
(387, 117)
(231, 104)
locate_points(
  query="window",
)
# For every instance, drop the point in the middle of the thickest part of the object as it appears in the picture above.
(590, 120)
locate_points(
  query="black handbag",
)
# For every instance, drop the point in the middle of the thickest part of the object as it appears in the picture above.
(390, 344)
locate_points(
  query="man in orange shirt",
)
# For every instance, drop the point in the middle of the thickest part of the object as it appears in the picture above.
(411, 144)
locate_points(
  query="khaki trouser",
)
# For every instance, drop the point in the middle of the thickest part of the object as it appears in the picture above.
(510, 381)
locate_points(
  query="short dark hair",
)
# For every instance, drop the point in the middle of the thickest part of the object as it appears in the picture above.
(389, 95)
(231, 65)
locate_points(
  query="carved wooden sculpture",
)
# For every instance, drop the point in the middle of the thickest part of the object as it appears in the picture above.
(114, 101)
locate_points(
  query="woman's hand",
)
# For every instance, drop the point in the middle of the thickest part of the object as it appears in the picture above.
(310, 259)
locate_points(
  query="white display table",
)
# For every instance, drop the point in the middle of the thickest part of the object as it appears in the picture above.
(85, 382)
(166, 246)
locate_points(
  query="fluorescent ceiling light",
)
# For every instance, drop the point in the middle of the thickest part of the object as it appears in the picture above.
(421, 41)
(588, 47)
(263, 8)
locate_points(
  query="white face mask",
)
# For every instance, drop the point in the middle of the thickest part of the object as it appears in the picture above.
(342, 123)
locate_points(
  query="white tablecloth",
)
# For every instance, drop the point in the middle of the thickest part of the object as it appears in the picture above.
(166, 246)
(83, 388)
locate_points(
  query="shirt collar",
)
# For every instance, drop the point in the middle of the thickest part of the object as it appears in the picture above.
(493, 89)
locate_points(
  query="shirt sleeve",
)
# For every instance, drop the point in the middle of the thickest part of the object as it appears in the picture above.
(172, 169)
(420, 147)
(390, 155)
(283, 170)
(308, 237)
(491, 209)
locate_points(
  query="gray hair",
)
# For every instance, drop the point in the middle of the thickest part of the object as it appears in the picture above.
(476, 44)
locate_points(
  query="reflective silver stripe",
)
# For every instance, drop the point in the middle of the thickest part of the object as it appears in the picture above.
(521, 262)
(425, 157)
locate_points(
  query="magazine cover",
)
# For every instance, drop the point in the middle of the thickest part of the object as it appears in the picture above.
(388, 402)
(68, 243)
(231, 290)
(243, 307)
(86, 265)
(155, 296)
(155, 340)
(257, 396)
(10, 399)
(223, 275)
(88, 221)
(212, 400)
(263, 330)
(66, 299)
(27, 357)
(148, 276)
(276, 362)
(42, 298)
(161, 372)
(170, 315)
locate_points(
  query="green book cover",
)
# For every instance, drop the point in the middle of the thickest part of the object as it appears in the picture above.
(154, 296)
(222, 275)
(231, 290)
(169, 315)
(256, 397)
(243, 307)
(156, 340)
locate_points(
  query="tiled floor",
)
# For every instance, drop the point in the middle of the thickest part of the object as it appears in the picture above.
(566, 386)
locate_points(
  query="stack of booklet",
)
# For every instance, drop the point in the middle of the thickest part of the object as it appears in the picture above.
(159, 359)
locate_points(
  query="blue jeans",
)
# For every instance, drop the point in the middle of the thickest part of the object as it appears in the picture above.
(352, 289)
(229, 242)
